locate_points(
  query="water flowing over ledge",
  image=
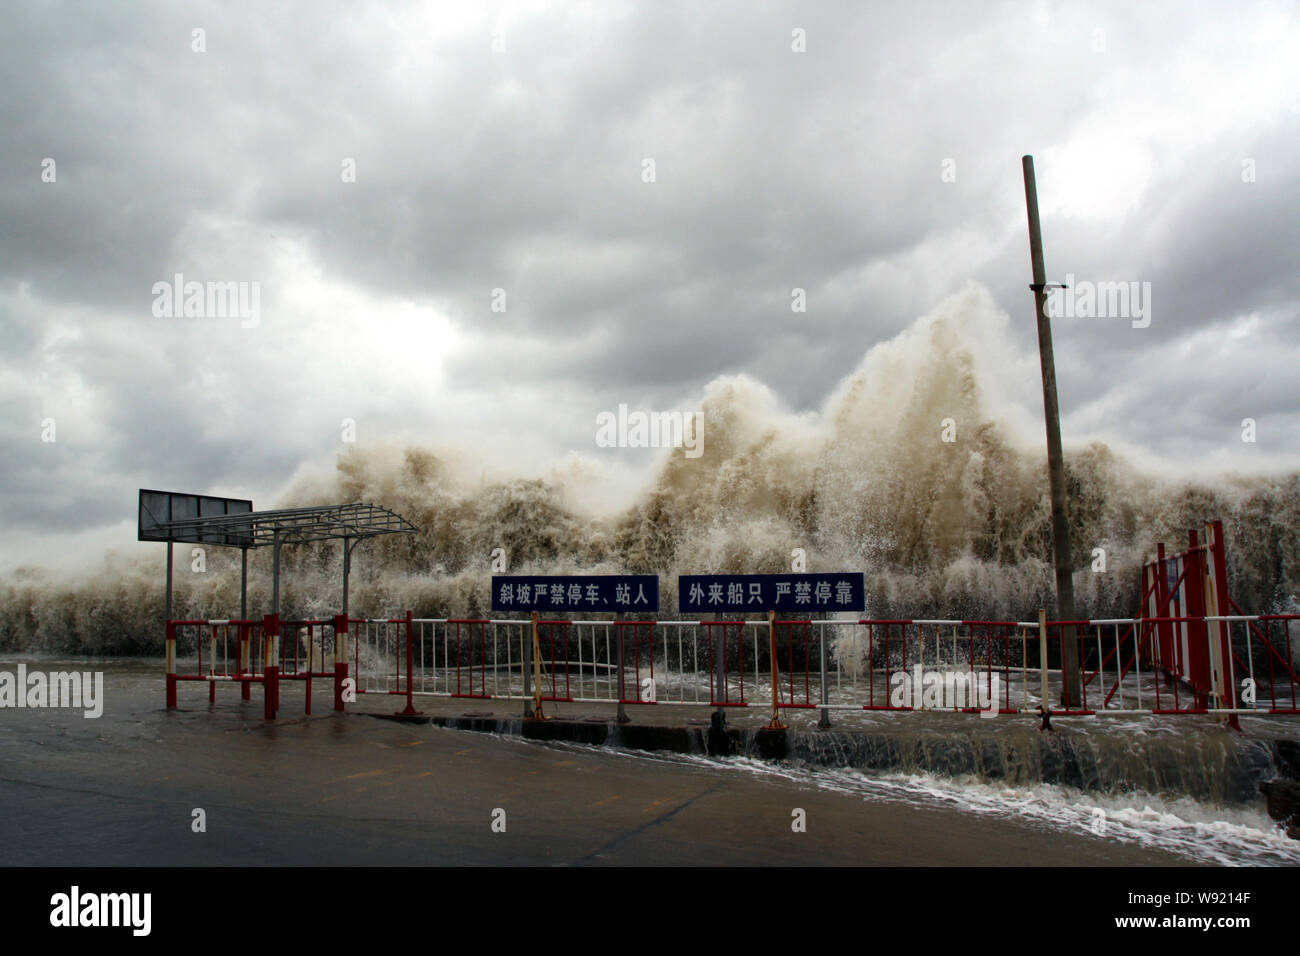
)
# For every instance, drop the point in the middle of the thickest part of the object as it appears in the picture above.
(1211, 765)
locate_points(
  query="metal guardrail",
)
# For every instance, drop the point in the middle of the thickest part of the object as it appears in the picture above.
(989, 667)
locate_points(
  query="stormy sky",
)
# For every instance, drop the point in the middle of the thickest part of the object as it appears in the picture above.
(646, 183)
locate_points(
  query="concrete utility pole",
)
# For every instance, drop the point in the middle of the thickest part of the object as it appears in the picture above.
(1071, 691)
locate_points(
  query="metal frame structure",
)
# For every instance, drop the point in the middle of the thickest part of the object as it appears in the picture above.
(352, 523)
(244, 529)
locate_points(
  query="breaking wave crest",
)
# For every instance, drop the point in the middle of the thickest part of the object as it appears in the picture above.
(954, 528)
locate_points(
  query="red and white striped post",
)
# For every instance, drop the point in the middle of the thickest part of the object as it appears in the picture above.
(271, 664)
(1218, 602)
(340, 658)
(212, 660)
(171, 665)
(245, 658)
(410, 710)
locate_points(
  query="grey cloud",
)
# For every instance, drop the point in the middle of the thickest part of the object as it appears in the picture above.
(521, 170)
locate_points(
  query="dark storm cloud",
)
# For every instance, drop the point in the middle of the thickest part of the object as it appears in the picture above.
(521, 168)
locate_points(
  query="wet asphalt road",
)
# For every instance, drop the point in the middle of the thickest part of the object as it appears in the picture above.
(353, 790)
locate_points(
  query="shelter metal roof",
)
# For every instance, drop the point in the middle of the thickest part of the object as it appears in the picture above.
(256, 529)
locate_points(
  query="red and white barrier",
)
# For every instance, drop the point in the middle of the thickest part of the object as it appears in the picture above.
(1155, 666)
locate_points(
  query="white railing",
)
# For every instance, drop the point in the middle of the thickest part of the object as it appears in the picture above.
(845, 665)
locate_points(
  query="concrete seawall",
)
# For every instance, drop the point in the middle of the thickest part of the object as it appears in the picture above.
(1201, 760)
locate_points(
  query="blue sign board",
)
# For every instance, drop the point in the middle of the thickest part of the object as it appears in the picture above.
(799, 593)
(613, 593)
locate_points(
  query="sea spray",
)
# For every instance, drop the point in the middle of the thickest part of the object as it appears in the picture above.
(920, 469)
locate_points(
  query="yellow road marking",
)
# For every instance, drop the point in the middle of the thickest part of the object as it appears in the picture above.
(367, 773)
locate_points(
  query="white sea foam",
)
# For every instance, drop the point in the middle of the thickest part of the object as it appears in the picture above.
(1222, 836)
(1218, 835)
(869, 481)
